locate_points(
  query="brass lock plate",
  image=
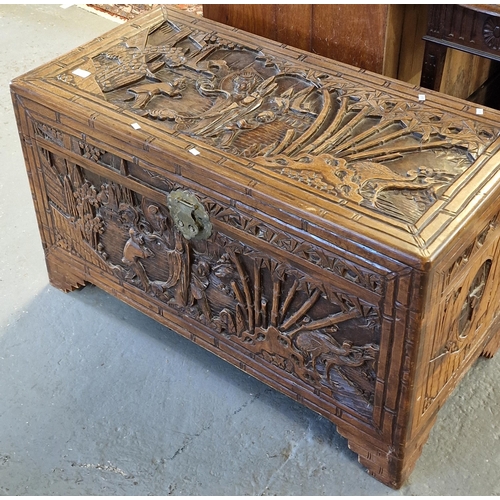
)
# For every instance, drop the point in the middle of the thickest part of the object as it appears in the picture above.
(189, 215)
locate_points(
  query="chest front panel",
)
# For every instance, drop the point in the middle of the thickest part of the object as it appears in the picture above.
(313, 314)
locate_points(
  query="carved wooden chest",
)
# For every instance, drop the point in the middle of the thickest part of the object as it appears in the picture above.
(327, 230)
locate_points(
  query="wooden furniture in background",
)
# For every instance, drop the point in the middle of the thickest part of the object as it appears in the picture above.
(455, 34)
(317, 226)
(367, 36)
(386, 39)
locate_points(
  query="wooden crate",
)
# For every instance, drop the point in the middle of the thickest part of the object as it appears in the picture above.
(325, 229)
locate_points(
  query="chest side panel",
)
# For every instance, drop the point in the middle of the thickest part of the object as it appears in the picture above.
(465, 315)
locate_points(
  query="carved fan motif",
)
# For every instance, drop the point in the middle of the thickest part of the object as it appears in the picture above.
(491, 33)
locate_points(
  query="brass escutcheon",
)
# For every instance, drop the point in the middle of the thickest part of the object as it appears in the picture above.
(189, 215)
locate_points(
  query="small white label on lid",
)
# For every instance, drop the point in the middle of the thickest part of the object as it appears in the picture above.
(194, 151)
(135, 125)
(479, 111)
(81, 72)
(421, 97)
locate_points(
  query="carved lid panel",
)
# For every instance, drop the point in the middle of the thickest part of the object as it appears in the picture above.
(352, 148)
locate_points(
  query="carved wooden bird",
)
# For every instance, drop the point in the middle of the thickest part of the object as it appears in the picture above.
(144, 93)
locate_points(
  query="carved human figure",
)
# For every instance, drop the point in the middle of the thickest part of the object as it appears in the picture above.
(134, 250)
(157, 220)
(244, 82)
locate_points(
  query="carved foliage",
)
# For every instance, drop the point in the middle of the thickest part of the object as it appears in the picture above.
(48, 133)
(90, 152)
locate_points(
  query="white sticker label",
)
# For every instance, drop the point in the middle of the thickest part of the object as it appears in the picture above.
(479, 111)
(81, 72)
(135, 125)
(194, 151)
(421, 97)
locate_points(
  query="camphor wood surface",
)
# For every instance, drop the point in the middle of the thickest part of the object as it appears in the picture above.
(317, 226)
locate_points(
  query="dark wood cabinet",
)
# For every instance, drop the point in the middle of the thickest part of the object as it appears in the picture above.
(364, 35)
(461, 32)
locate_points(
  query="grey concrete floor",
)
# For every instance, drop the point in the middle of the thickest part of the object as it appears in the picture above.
(97, 399)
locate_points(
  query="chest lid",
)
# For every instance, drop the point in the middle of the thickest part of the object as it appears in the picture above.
(384, 163)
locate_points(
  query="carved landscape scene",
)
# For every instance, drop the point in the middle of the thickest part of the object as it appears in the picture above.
(300, 324)
(322, 132)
